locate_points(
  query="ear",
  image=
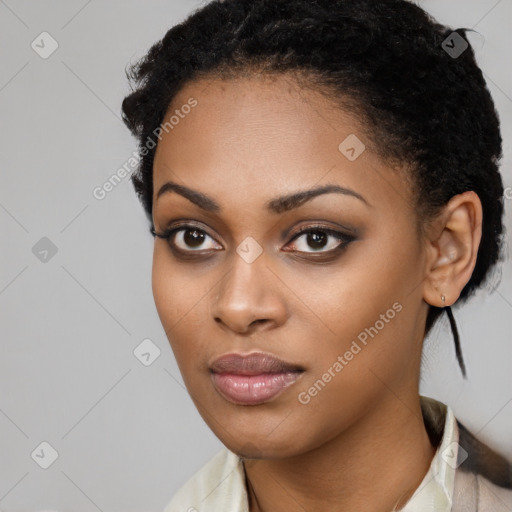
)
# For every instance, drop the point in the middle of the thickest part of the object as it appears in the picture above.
(452, 246)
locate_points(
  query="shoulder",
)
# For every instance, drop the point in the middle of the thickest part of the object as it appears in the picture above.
(484, 477)
(218, 485)
(493, 497)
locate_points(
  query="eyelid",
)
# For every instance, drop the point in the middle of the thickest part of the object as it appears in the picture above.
(177, 225)
(314, 227)
(339, 230)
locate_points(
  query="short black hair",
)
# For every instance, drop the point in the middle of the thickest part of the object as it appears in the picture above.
(412, 81)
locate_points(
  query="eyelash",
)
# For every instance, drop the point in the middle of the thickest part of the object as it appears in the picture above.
(344, 239)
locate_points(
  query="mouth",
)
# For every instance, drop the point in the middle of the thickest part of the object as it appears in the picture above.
(252, 379)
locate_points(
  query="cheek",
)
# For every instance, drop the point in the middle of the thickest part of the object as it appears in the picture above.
(373, 275)
(164, 289)
(175, 289)
(367, 304)
(181, 300)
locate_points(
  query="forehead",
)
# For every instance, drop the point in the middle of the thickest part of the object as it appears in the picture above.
(267, 135)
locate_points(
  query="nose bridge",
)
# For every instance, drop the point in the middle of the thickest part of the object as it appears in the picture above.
(245, 280)
(248, 294)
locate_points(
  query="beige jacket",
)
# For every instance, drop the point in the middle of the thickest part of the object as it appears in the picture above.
(483, 478)
(465, 475)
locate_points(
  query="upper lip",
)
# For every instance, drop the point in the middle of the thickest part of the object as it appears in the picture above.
(255, 363)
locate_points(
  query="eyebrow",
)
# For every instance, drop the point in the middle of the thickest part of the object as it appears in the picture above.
(278, 205)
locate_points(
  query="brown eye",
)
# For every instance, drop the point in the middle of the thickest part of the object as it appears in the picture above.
(193, 237)
(190, 239)
(319, 240)
(316, 239)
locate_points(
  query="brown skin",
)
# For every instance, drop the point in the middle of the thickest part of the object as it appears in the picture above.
(360, 443)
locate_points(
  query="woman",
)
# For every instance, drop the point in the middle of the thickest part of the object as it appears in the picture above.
(322, 182)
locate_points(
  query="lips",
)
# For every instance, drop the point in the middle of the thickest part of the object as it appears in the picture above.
(252, 364)
(252, 379)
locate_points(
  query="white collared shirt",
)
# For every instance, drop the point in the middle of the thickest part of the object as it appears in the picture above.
(436, 489)
(220, 484)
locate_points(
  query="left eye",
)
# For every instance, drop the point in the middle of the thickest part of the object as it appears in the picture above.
(319, 240)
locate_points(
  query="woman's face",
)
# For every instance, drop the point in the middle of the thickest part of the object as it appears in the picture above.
(328, 283)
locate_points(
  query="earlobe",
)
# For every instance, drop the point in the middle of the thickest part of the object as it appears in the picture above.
(453, 248)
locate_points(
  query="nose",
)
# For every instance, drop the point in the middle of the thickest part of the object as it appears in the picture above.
(249, 298)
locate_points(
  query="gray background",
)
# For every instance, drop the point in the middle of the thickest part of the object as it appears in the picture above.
(127, 435)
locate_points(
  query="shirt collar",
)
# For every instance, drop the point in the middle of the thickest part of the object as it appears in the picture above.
(436, 489)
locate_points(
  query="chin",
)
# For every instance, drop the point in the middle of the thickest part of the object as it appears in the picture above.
(251, 446)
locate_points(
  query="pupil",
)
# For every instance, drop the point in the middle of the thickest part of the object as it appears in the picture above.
(316, 240)
(193, 237)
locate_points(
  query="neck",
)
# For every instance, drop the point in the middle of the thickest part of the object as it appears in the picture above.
(375, 466)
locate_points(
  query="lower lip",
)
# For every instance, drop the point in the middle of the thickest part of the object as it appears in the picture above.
(252, 389)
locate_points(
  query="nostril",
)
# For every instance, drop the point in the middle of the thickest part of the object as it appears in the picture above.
(263, 320)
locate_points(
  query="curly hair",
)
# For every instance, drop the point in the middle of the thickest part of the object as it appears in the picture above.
(387, 61)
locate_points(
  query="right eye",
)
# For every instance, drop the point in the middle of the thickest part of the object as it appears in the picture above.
(188, 238)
